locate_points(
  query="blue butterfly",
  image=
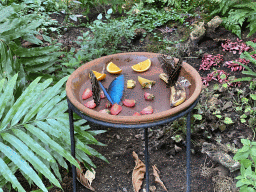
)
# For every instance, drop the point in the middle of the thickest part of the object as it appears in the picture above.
(114, 93)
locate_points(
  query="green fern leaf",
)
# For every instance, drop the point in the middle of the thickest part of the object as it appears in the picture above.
(30, 157)
(9, 176)
(36, 51)
(55, 146)
(38, 149)
(48, 96)
(22, 164)
(7, 95)
(20, 107)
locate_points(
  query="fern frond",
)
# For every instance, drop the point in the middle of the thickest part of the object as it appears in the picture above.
(35, 129)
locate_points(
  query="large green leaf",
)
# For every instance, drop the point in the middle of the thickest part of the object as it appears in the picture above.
(9, 176)
(36, 51)
(20, 107)
(7, 95)
(22, 164)
(55, 146)
(30, 156)
(35, 146)
(47, 97)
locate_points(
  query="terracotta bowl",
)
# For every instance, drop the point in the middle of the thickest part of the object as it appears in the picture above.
(79, 81)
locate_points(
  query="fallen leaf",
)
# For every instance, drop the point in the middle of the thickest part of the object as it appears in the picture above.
(85, 179)
(138, 173)
(156, 173)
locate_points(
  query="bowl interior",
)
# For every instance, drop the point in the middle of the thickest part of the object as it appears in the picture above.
(79, 81)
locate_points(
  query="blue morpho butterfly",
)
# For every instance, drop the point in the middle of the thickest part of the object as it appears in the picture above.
(114, 93)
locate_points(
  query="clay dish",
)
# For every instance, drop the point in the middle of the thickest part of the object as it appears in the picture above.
(79, 81)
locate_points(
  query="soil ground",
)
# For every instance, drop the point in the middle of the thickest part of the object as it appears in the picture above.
(206, 175)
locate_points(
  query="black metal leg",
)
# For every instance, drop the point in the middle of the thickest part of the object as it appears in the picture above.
(71, 124)
(146, 158)
(188, 150)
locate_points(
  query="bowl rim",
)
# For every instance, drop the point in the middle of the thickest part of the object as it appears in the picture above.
(133, 119)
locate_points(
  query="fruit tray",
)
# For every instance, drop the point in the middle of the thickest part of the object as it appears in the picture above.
(79, 81)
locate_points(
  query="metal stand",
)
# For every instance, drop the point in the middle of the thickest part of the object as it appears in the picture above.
(72, 108)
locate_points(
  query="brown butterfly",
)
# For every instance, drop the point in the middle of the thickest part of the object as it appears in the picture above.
(170, 68)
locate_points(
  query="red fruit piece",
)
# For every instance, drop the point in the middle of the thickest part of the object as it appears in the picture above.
(90, 104)
(108, 105)
(136, 114)
(148, 96)
(87, 93)
(115, 109)
(147, 110)
(107, 111)
(102, 95)
(129, 102)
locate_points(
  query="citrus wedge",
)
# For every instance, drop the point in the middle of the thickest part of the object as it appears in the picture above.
(146, 83)
(99, 76)
(113, 68)
(142, 66)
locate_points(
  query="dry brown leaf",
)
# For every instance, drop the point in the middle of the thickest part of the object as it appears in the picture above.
(138, 173)
(85, 179)
(156, 173)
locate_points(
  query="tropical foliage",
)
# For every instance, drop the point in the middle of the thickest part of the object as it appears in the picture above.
(15, 58)
(236, 13)
(34, 128)
(34, 133)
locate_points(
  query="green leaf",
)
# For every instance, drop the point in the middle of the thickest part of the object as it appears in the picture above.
(48, 96)
(30, 156)
(36, 51)
(32, 144)
(23, 165)
(9, 176)
(55, 146)
(253, 96)
(197, 117)
(7, 95)
(245, 141)
(246, 162)
(228, 121)
(241, 155)
(20, 107)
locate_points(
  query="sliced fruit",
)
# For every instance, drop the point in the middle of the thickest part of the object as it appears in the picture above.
(147, 110)
(146, 83)
(136, 114)
(142, 66)
(164, 77)
(87, 93)
(107, 111)
(102, 95)
(177, 96)
(131, 84)
(99, 76)
(90, 104)
(113, 68)
(115, 109)
(129, 102)
(108, 104)
(149, 96)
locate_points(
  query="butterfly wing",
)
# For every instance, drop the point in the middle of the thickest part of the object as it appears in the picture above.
(116, 88)
(95, 89)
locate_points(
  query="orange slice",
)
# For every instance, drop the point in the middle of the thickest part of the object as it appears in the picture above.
(99, 76)
(142, 66)
(113, 68)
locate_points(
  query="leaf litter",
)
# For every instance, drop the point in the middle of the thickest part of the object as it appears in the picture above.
(138, 173)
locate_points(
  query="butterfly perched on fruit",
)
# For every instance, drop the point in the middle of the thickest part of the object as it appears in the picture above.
(114, 92)
(170, 68)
